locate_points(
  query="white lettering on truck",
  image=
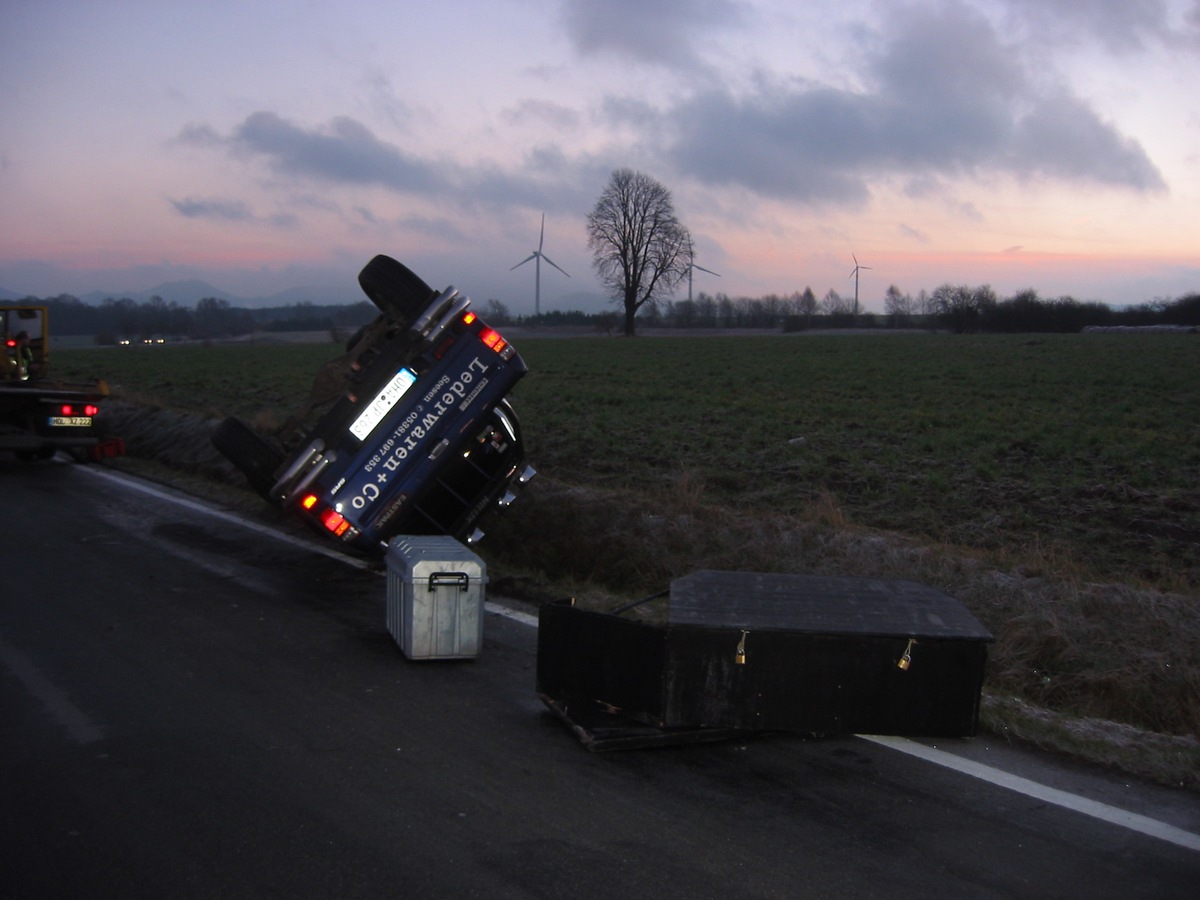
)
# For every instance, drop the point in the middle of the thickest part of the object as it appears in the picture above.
(418, 424)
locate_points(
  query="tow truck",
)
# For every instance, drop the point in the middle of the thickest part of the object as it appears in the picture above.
(40, 415)
(413, 430)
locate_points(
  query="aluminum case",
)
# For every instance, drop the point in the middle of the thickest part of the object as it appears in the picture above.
(435, 597)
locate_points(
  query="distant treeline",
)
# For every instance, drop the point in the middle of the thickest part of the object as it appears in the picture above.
(210, 318)
(956, 308)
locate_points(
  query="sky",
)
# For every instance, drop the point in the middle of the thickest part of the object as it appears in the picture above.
(262, 146)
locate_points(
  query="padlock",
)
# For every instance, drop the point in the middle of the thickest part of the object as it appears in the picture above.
(739, 657)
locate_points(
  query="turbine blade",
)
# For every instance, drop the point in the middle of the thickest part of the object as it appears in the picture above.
(542, 239)
(522, 262)
(553, 263)
(709, 271)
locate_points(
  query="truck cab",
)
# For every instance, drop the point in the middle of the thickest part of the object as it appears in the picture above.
(25, 331)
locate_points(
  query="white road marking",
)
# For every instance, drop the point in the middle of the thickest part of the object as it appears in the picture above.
(196, 506)
(79, 727)
(1111, 814)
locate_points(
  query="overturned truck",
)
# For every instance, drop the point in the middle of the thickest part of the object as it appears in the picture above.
(409, 432)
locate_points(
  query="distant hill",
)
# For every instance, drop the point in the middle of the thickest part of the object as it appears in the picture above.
(181, 293)
(188, 292)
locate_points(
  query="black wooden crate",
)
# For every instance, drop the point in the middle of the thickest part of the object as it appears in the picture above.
(747, 651)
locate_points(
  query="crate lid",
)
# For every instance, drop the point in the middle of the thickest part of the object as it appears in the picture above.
(419, 554)
(819, 604)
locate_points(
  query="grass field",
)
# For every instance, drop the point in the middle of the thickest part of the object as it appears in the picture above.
(1052, 483)
(1081, 449)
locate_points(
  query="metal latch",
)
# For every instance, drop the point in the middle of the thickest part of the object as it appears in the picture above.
(739, 656)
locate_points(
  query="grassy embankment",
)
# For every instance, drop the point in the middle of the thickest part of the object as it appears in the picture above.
(1052, 483)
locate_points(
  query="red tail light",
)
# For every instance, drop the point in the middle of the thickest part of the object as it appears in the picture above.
(68, 409)
(491, 337)
(334, 521)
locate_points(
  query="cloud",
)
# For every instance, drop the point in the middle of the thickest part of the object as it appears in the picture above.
(227, 210)
(783, 142)
(945, 97)
(534, 112)
(665, 33)
(941, 97)
(344, 151)
(1062, 137)
(1120, 26)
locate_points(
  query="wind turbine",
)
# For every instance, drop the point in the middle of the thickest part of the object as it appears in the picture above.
(538, 255)
(692, 265)
(857, 267)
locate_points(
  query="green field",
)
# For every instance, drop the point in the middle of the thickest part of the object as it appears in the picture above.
(1081, 452)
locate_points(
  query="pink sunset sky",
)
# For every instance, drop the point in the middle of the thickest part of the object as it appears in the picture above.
(1052, 144)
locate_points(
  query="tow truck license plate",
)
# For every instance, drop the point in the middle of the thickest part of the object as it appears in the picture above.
(70, 421)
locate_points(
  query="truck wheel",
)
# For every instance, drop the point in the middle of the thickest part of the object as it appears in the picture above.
(250, 452)
(395, 289)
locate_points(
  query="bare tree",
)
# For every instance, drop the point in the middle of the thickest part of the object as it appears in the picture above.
(806, 303)
(496, 312)
(833, 304)
(640, 248)
(898, 305)
(924, 303)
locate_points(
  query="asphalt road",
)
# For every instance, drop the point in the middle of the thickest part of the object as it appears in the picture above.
(194, 708)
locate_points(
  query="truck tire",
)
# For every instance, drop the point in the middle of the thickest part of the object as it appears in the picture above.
(400, 294)
(251, 453)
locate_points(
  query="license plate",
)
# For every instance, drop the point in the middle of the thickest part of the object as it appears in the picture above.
(70, 421)
(382, 404)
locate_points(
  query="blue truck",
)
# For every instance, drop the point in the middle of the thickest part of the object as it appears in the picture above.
(416, 434)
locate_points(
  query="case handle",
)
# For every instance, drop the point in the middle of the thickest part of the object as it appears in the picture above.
(441, 579)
